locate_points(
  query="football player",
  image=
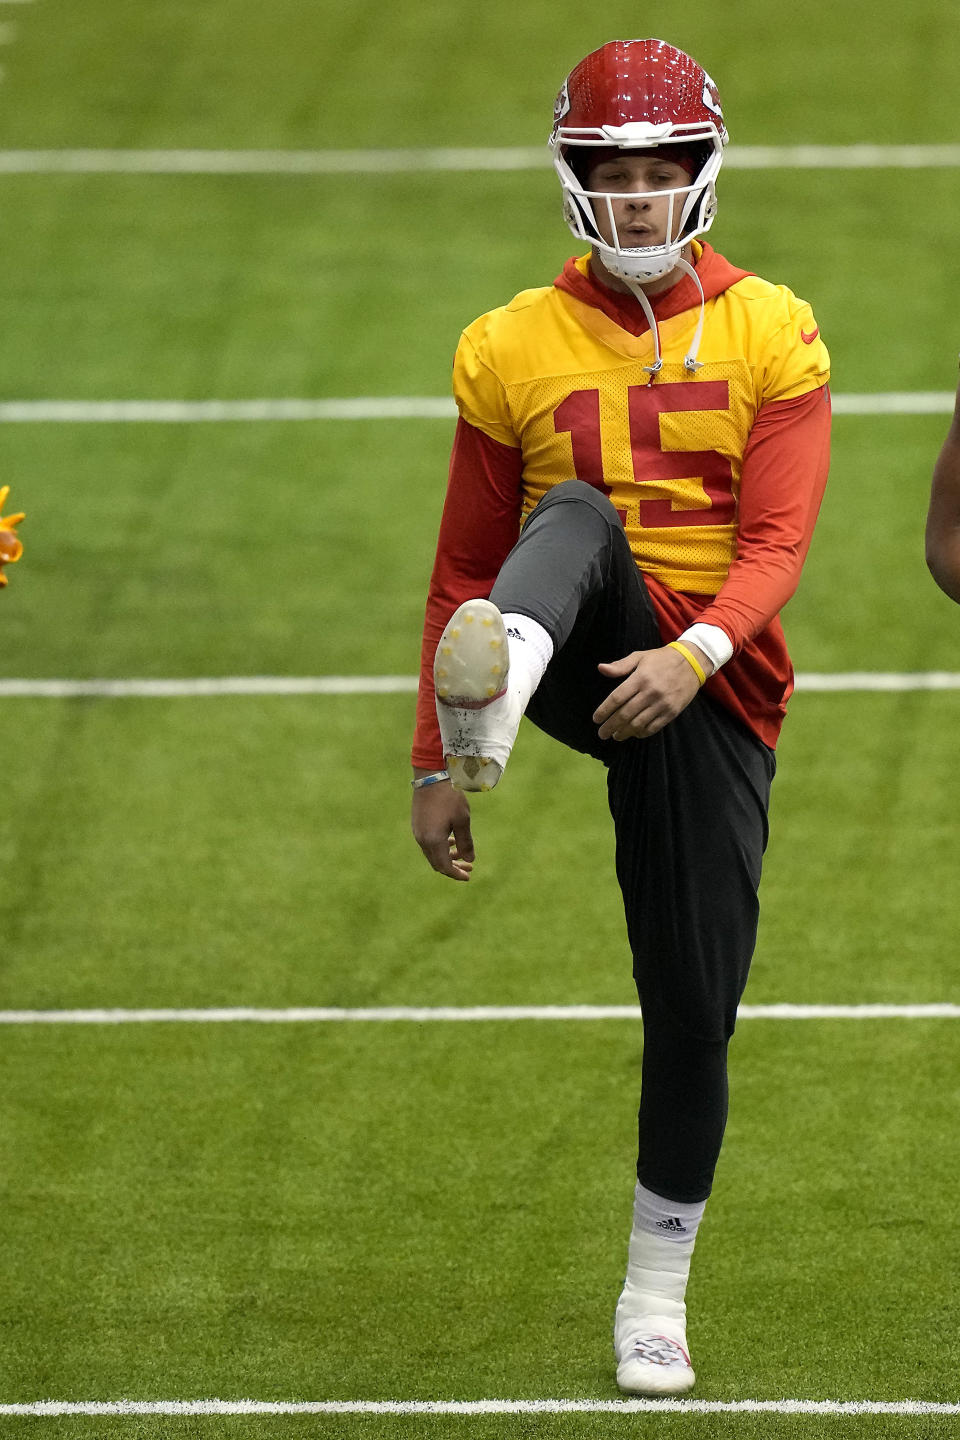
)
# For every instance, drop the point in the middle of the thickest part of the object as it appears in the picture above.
(10, 546)
(637, 468)
(943, 517)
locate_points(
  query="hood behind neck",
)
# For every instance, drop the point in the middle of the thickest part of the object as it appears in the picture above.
(716, 274)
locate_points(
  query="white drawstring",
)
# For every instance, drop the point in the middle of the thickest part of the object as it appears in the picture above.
(647, 309)
(690, 361)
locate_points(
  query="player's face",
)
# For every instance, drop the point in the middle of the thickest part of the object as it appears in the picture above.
(642, 214)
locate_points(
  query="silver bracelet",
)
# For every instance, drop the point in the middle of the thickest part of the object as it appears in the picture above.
(433, 778)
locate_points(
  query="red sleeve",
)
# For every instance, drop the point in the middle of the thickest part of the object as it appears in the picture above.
(479, 528)
(784, 474)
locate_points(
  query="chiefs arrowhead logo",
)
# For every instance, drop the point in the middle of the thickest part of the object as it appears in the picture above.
(711, 97)
(809, 339)
(561, 105)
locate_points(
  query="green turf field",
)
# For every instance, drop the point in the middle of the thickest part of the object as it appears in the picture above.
(415, 1212)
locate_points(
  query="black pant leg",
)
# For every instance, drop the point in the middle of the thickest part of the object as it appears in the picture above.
(683, 1106)
(690, 812)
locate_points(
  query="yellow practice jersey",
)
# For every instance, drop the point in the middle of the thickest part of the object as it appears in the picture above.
(558, 378)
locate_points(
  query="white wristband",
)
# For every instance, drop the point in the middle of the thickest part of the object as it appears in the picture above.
(714, 642)
(434, 778)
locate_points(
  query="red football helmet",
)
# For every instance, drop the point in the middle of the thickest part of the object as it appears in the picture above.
(639, 95)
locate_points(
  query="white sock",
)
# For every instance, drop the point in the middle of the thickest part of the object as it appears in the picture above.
(531, 651)
(676, 1220)
(658, 1267)
(492, 730)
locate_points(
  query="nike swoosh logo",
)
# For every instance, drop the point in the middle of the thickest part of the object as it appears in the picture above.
(809, 339)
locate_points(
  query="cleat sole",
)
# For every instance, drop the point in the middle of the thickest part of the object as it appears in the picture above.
(475, 667)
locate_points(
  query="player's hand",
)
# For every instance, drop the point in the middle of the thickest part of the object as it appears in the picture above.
(440, 818)
(10, 547)
(655, 686)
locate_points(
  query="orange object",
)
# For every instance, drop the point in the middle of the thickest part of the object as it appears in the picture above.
(10, 547)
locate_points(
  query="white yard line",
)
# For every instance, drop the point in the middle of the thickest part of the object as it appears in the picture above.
(374, 407)
(841, 682)
(445, 1014)
(896, 402)
(450, 158)
(363, 407)
(845, 681)
(481, 1407)
(220, 685)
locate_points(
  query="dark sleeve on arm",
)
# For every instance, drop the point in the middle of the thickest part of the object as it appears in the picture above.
(784, 475)
(479, 528)
(943, 517)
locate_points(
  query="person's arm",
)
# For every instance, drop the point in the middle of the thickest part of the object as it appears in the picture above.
(10, 546)
(943, 516)
(782, 483)
(479, 528)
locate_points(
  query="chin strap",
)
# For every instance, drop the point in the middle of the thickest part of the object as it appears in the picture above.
(690, 361)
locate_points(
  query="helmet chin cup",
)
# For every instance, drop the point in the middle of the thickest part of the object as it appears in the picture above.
(642, 265)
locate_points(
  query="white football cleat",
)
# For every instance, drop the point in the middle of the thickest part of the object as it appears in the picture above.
(479, 718)
(654, 1364)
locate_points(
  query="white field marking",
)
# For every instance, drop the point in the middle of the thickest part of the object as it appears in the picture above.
(459, 158)
(225, 685)
(365, 407)
(896, 402)
(469, 1014)
(843, 681)
(69, 412)
(840, 682)
(481, 1407)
